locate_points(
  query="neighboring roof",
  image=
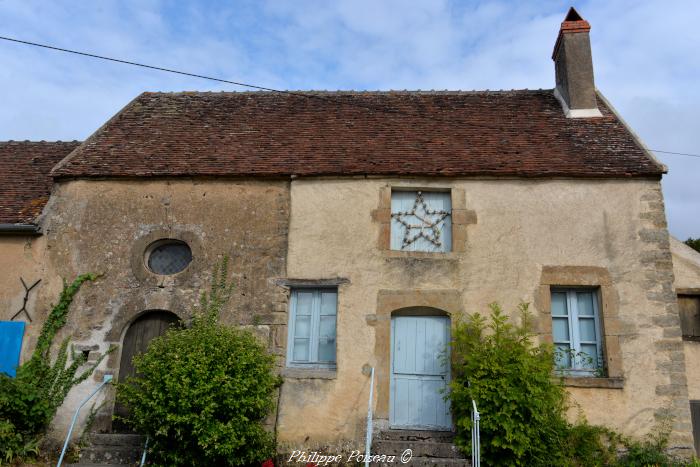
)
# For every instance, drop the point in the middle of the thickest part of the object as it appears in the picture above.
(25, 183)
(686, 266)
(492, 133)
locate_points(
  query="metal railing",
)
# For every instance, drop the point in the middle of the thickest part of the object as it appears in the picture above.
(143, 456)
(105, 381)
(368, 439)
(476, 438)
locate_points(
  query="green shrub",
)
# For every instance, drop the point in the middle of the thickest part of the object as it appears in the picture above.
(496, 364)
(202, 392)
(14, 446)
(590, 445)
(29, 401)
(693, 243)
(650, 452)
(523, 406)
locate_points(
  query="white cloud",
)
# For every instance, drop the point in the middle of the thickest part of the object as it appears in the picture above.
(644, 55)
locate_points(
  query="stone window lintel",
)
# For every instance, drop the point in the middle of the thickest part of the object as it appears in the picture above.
(331, 282)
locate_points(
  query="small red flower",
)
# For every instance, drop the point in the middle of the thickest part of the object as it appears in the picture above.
(268, 463)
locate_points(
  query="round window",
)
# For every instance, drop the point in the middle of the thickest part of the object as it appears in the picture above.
(169, 257)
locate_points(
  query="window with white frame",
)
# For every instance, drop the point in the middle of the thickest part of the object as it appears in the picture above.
(421, 221)
(312, 328)
(576, 331)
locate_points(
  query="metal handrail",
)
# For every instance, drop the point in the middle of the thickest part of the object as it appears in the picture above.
(368, 439)
(143, 456)
(105, 381)
(476, 437)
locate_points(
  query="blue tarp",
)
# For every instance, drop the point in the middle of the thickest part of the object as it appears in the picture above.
(11, 335)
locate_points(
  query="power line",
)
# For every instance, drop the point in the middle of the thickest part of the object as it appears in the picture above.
(676, 153)
(260, 88)
(152, 67)
(220, 80)
(247, 85)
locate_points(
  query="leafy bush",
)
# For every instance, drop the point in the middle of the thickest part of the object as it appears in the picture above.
(497, 365)
(523, 406)
(652, 452)
(693, 243)
(29, 401)
(202, 392)
(13, 445)
(590, 445)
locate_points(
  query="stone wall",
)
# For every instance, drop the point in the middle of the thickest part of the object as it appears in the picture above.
(106, 226)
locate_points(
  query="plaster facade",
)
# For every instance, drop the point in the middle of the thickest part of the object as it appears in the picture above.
(516, 232)
(23, 258)
(686, 268)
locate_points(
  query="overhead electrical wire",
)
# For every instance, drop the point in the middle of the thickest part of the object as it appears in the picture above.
(309, 95)
(675, 153)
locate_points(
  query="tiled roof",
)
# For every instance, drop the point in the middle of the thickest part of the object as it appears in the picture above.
(492, 133)
(25, 183)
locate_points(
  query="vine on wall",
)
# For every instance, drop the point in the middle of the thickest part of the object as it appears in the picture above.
(29, 401)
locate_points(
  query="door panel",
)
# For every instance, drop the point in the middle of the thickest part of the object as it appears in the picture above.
(420, 374)
(136, 340)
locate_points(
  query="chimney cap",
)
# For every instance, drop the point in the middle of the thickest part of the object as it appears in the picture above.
(573, 23)
(573, 15)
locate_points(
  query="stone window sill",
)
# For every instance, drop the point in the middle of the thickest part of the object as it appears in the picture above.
(437, 255)
(309, 373)
(593, 382)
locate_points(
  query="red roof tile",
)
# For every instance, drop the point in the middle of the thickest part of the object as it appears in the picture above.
(25, 183)
(502, 133)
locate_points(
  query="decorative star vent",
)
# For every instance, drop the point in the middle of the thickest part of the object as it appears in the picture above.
(428, 226)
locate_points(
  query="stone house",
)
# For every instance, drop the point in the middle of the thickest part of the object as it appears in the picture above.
(360, 225)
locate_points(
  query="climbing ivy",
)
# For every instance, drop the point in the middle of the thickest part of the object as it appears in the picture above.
(29, 401)
(57, 378)
(219, 294)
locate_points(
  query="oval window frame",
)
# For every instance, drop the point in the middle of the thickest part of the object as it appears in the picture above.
(162, 242)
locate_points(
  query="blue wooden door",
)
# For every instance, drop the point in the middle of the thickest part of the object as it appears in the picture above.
(420, 373)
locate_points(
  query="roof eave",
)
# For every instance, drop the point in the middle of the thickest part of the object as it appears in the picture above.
(19, 229)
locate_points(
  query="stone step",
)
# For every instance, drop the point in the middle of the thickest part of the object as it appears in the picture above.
(116, 439)
(417, 435)
(418, 448)
(110, 454)
(430, 462)
(436, 462)
(100, 465)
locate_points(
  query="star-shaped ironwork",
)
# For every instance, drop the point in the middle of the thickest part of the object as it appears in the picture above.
(429, 226)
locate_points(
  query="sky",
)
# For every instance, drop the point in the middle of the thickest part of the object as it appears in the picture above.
(646, 57)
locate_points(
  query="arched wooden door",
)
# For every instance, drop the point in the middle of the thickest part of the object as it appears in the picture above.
(140, 333)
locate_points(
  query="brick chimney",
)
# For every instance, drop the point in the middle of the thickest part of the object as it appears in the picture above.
(573, 67)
